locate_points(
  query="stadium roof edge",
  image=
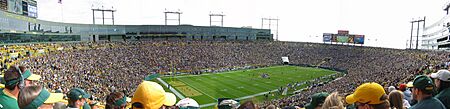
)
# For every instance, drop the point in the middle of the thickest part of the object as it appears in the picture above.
(22, 17)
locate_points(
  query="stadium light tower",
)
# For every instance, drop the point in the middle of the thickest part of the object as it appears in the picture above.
(172, 12)
(112, 10)
(270, 24)
(216, 15)
(446, 7)
(417, 35)
(406, 47)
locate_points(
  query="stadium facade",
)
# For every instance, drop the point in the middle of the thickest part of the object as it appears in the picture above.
(436, 35)
(18, 27)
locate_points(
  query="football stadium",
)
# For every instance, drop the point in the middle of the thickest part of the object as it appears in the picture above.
(49, 64)
(236, 84)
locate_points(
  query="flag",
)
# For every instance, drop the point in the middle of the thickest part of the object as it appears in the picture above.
(60, 1)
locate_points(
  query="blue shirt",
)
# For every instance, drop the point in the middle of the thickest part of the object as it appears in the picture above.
(407, 94)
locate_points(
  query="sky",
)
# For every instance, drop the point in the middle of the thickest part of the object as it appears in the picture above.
(385, 23)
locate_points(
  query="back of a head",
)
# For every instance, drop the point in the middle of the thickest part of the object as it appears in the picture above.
(12, 74)
(75, 95)
(384, 105)
(115, 100)
(396, 99)
(391, 88)
(27, 95)
(333, 101)
(59, 105)
(444, 79)
(402, 87)
(248, 105)
(151, 95)
(271, 107)
(424, 84)
(372, 94)
(443, 85)
(317, 100)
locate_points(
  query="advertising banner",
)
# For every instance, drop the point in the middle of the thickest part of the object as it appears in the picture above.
(343, 32)
(32, 11)
(333, 38)
(342, 39)
(327, 37)
(351, 39)
(15, 6)
(359, 39)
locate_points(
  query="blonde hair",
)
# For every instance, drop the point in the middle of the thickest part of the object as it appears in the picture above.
(396, 99)
(333, 101)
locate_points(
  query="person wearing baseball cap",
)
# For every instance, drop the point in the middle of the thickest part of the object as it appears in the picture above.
(442, 82)
(227, 103)
(406, 92)
(14, 79)
(422, 90)
(317, 100)
(77, 98)
(116, 100)
(187, 103)
(31, 79)
(151, 95)
(369, 96)
(409, 84)
(35, 97)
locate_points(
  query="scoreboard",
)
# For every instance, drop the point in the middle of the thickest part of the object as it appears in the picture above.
(343, 36)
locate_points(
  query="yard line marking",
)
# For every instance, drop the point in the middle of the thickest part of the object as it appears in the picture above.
(197, 89)
(225, 72)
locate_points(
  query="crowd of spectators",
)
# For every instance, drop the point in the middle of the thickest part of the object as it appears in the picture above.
(104, 67)
(389, 67)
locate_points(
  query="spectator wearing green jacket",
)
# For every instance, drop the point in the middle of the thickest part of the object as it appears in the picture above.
(423, 88)
(442, 82)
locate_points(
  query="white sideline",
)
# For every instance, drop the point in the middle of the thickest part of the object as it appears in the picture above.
(179, 95)
(171, 89)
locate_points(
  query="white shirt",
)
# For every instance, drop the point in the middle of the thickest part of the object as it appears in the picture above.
(406, 103)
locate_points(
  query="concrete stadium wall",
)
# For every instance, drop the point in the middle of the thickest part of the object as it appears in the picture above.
(10, 22)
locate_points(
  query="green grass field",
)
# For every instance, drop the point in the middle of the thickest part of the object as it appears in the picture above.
(235, 84)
